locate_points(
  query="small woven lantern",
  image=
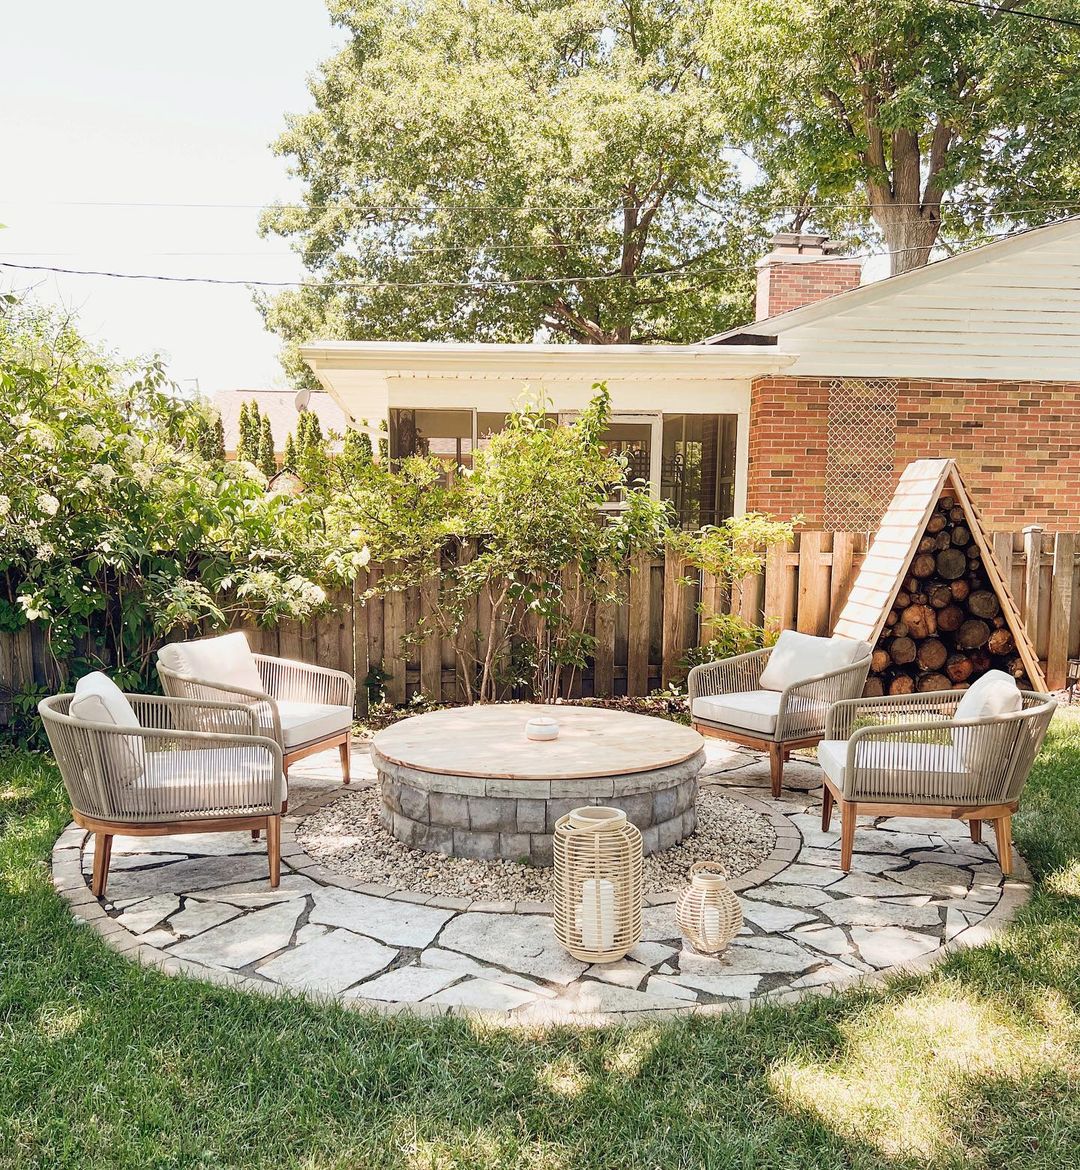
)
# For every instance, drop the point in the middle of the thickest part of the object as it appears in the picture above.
(707, 911)
(598, 884)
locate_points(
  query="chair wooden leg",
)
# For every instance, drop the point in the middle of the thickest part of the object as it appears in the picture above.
(975, 829)
(102, 857)
(826, 808)
(345, 752)
(1003, 831)
(273, 849)
(848, 817)
(776, 768)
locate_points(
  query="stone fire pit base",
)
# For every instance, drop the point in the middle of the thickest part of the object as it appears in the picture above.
(471, 816)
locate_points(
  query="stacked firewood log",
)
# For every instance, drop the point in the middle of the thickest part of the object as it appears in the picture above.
(946, 627)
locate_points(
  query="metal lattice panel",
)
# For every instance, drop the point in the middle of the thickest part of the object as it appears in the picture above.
(859, 466)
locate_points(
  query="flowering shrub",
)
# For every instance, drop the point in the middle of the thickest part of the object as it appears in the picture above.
(114, 530)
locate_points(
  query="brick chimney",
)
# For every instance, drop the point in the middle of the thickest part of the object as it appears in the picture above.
(799, 271)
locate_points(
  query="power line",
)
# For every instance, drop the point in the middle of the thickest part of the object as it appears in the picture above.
(358, 284)
(509, 282)
(999, 10)
(960, 204)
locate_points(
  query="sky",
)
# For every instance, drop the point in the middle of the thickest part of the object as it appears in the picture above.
(114, 104)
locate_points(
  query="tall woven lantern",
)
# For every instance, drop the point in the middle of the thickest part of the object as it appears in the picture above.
(598, 884)
(707, 911)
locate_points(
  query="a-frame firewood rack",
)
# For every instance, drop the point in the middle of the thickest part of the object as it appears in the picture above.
(930, 597)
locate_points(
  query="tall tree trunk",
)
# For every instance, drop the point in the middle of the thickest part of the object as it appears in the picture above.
(909, 236)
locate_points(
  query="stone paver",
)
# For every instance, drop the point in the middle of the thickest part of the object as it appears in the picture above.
(331, 963)
(401, 924)
(245, 940)
(204, 900)
(406, 984)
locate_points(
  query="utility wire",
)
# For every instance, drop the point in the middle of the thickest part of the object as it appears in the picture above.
(1064, 21)
(837, 205)
(509, 282)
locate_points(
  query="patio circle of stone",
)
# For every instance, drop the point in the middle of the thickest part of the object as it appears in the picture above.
(466, 782)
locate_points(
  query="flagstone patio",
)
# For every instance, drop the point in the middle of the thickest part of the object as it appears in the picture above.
(200, 905)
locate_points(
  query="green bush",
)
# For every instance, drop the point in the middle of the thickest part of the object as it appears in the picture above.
(115, 528)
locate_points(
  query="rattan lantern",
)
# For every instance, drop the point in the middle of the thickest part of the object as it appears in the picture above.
(707, 911)
(598, 884)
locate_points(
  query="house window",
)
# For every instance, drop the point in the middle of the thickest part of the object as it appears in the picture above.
(446, 434)
(859, 463)
(697, 470)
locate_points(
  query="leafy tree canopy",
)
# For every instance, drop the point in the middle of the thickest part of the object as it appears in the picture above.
(574, 145)
(919, 119)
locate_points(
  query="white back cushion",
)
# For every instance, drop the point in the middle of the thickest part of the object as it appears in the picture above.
(797, 657)
(226, 660)
(99, 700)
(995, 693)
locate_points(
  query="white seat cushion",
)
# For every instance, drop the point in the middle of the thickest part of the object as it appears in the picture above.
(98, 699)
(914, 761)
(304, 722)
(202, 780)
(226, 660)
(797, 657)
(752, 711)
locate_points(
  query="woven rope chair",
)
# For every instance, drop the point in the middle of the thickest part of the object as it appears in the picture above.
(906, 756)
(163, 777)
(305, 708)
(790, 718)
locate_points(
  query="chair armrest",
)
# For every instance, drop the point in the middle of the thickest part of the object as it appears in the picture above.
(303, 682)
(888, 710)
(727, 677)
(166, 712)
(203, 690)
(804, 705)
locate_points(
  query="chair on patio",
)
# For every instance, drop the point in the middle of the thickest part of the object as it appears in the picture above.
(306, 708)
(132, 764)
(777, 699)
(959, 754)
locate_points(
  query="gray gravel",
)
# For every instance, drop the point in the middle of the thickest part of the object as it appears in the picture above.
(347, 837)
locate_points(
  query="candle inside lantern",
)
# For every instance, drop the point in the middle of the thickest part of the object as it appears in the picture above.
(596, 914)
(711, 924)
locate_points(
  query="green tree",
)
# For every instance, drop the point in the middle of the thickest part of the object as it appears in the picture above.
(219, 439)
(267, 461)
(288, 461)
(917, 119)
(522, 533)
(356, 454)
(577, 148)
(250, 429)
(114, 529)
(312, 459)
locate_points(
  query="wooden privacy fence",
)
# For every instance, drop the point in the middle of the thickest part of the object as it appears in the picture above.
(641, 642)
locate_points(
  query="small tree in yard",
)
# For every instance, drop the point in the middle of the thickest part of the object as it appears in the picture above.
(730, 552)
(267, 461)
(523, 533)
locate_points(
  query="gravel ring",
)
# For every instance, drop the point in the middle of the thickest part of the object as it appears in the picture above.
(347, 837)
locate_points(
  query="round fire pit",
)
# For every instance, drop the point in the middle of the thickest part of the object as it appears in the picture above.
(467, 782)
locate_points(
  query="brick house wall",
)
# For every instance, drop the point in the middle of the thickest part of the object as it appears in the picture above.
(1017, 445)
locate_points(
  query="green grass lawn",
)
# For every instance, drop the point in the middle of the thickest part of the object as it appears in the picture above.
(105, 1064)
